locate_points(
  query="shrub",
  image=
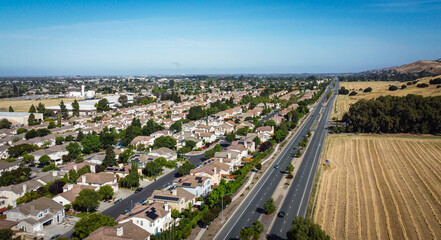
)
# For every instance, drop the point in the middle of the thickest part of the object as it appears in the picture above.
(393, 88)
(269, 206)
(422, 85)
(369, 89)
(353, 93)
(403, 86)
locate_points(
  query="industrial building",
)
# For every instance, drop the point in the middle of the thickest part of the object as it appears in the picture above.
(20, 118)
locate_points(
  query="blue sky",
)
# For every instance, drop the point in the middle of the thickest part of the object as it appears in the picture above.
(208, 37)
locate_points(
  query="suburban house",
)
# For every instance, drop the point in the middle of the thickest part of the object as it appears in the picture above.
(127, 230)
(212, 169)
(161, 133)
(11, 193)
(4, 151)
(197, 185)
(96, 158)
(176, 198)
(265, 133)
(141, 159)
(77, 166)
(208, 137)
(70, 192)
(164, 152)
(8, 166)
(154, 217)
(55, 153)
(241, 149)
(249, 144)
(231, 158)
(144, 140)
(98, 180)
(35, 215)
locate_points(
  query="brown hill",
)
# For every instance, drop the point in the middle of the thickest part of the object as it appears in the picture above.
(418, 66)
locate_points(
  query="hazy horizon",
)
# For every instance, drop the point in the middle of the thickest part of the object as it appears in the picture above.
(65, 38)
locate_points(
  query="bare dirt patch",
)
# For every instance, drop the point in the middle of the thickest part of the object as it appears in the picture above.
(381, 187)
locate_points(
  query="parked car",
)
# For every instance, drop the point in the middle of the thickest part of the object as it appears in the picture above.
(55, 236)
(138, 190)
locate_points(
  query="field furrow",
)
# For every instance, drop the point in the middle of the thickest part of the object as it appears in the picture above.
(381, 187)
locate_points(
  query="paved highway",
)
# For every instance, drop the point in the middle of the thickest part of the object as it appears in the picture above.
(252, 206)
(297, 200)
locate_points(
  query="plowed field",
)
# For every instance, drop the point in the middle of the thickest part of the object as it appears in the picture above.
(381, 187)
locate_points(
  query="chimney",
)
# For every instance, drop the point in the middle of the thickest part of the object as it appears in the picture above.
(229, 155)
(166, 206)
(75, 167)
(220, 159)
(83, 179)
(25, 188)
(119, 231)
(215, 170)
(69, 187)
(174, 191)
(120, 165)
(54, 173)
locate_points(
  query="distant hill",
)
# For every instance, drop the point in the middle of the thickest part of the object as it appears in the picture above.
(419, 66)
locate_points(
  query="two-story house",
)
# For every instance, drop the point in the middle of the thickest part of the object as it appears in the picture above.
(98, 180)
(177, 198)
(197, 185)
(154, 218)
(35, 215)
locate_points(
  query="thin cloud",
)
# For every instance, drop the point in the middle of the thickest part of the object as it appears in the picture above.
(408, 4)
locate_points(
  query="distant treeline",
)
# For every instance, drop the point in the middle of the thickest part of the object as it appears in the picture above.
(390, 75)
(392, 114)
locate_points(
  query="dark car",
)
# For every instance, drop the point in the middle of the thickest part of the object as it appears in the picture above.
(281, 214)
(138, 190)
(55, 236)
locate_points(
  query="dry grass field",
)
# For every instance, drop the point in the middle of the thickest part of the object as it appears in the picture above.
(381, 187)
(379, 89)
(24, 105)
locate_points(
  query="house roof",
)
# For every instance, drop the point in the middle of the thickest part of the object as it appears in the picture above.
(6, 165)
(7, 223)
(97, 178)
(172, 194)
(190, 181)
(130, 231)
(73, 193)
(150, 212)
(38, 205)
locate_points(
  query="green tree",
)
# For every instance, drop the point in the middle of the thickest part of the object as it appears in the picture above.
(51, 125)
(80, 136)
(31, 120)
(290, 168)
(195, 113)
(74, 149)
(11, 109)
(32, 109)
(59, 140)
(92, 222)
(123, 100)
(269, 206)
(4, 123)
(91, 143)
(231, 137)
(102, 105)
(44, 160)
(217, 148)
(256, 141)
(87, 200)
(41, 108)
(63, 110)
(176, 126)
(109, 159)
(258, 227)
(164, 141)
(191, 144)
(106, 192)
(242, 131)
(185, 168)
(75, 108)
(209, 153)
(131, 180)
(6, 234)
(28, 159)
(124, 157)
(305, 228)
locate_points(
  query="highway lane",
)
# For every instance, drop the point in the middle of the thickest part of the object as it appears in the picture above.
(252, 206)
(297, 200)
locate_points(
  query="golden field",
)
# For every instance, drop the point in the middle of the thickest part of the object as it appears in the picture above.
(24, 105)
(381, 187)
(379, 89)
